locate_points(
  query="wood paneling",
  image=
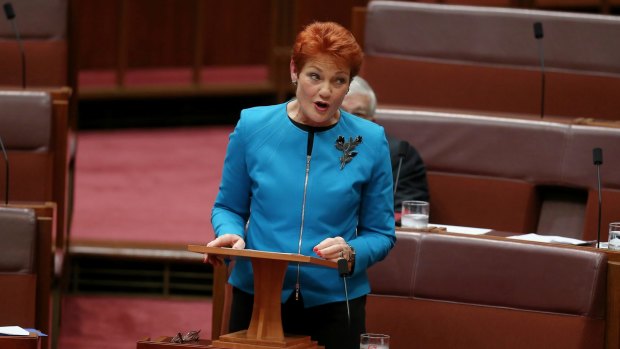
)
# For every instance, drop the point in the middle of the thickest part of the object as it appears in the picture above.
(237, 32)
(160, 33)
(95, 27)
(117, 38)
(309, 11)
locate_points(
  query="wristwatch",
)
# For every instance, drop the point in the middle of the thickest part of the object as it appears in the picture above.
(351, 260)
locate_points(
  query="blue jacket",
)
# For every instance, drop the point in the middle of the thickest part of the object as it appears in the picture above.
(263, 184)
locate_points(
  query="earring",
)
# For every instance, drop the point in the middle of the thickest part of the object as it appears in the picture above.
(294, 82)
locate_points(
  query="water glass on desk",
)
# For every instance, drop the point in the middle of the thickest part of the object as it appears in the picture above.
(614, 236)
(374, 341)
(414, 214)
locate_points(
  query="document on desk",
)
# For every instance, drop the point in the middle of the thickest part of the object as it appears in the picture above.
(462, 230)
(13, 331)
(549, 238)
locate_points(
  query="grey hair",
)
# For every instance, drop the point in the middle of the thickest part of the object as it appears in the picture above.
(360, 86)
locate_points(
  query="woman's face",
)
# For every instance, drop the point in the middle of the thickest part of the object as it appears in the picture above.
(321, 87)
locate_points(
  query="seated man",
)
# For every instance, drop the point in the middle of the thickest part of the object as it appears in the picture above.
(412, 185)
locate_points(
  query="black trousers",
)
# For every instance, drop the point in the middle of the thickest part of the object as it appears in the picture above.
(327, 324)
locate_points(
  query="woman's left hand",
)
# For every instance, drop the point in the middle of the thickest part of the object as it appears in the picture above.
(333, 249)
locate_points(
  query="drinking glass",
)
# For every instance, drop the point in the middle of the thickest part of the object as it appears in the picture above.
(374, 341)
(614, 236)
(414, 214)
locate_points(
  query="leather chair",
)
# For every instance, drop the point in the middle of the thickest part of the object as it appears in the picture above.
(480, 58)
(450, 291)
(34, 128)
(18, 274)
(35, 132)
(36, 270)
(51, 68)
(511, 174)
(43, 29)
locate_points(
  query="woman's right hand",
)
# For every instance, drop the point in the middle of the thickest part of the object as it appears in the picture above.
(225, 240)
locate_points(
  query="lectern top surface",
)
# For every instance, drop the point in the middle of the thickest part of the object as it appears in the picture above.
(289, 257)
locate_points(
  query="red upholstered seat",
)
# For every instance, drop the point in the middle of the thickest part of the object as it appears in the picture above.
(447, 291)
(480, 58)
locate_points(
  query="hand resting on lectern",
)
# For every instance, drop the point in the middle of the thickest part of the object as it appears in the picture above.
(226, 240)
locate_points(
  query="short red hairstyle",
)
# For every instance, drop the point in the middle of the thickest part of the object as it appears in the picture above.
(327, 38)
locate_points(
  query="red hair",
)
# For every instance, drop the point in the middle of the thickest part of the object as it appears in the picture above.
(327, 38)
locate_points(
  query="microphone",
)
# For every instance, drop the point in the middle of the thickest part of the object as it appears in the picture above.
(403, 148)
(10, 15)
(597, 156)
(6, 167)
(343, 270)
(538, 34)
(8, 10)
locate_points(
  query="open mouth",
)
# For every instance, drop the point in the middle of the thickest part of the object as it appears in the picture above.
(321, 105)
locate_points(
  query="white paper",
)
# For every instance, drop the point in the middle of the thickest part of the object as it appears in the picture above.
(462, 230)
(13, 331)
(549, 238)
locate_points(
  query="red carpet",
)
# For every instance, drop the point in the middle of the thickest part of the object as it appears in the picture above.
(148, 185)
(90, 322)
(154, 185)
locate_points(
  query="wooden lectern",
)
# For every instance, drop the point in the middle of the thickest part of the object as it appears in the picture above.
(265, 329)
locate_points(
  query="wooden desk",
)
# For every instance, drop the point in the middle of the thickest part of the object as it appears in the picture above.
(165, 343)
(20, 342)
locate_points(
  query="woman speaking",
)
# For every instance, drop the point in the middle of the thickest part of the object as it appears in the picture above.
(306, 177)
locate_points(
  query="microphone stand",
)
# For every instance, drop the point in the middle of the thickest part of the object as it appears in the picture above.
(343, 270)
(538, 34)
(403, 148)
(21, 53)
(10, 15)
(400, 163)
(600, 204)
(542, 80)
(597, 155)
(6, 166)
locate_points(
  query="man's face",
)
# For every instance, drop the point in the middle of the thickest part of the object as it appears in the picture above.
(357, 104)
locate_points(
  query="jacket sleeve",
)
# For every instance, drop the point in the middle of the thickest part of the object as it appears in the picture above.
(232, 204)
(376, 230)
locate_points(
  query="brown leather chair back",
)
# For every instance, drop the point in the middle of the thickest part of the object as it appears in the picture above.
(26, 127)
(35, 131)
(486, 59)
(511, 174)
(42, 25)
(448, 291)
(18, 243)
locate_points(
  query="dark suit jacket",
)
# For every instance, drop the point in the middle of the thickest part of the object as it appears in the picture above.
(412, 183)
